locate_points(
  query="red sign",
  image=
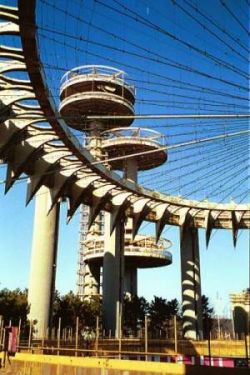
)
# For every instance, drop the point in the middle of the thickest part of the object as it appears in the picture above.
(12, 333)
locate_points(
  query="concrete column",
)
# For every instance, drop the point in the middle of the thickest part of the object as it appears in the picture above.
(130, 169)
(91, 283)
(91, 277)
(191, 284)
(130, 280)
(130, 283)
(113, 277)
(91, 280)
(43, 261)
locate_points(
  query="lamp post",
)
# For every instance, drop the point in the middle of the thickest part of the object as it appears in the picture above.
(146, 337)
(175, 335)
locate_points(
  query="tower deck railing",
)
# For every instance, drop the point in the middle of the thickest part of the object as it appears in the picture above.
(94, 72)
(140, 134)
(145, 246)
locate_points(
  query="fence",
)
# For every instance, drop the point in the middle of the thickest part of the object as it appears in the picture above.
(170, 347)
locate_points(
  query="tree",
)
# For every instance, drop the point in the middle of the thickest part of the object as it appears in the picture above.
(174, 308)
(70, 306)
(161, 312)
(207, 316)
(158, 313)
(14, 305)
(135, 309)
(91, 309)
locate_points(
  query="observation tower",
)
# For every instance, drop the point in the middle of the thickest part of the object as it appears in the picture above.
(96, 91)
(57, 168)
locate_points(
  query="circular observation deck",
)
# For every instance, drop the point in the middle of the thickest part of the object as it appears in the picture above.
(95, 90)
(142, 252)
(127, 141)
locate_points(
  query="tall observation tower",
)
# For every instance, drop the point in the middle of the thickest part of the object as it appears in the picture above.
(101, 90)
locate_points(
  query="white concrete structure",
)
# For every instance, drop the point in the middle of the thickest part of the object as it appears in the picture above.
(26, 146)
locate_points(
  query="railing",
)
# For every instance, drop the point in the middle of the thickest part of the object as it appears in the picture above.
(146, 343)
(163, 243)
(132, 249)
(136, 133)
(94, 71)
(144, 246)
(142, 241)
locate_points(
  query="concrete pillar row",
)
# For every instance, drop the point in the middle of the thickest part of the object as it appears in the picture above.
(43, 261)
(191, 283)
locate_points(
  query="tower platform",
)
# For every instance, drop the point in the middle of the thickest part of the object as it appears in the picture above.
(128, 141)
(142, 252)
(98, 90)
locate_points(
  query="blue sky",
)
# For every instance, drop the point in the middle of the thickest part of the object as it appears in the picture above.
(105, 32)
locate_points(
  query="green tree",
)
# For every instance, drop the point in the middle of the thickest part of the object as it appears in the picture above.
(92, 309)
(207, 316)
(135, 309)
(70, 306)
(161, 312)
(173, 308)
(158, 313)
(14, 305)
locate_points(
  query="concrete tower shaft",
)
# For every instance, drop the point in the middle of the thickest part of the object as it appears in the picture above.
(191, 283)
(43, 262)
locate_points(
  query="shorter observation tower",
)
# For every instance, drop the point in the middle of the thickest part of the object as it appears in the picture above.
(96, 90)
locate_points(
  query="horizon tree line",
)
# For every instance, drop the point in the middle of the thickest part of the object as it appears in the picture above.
(159, 311)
